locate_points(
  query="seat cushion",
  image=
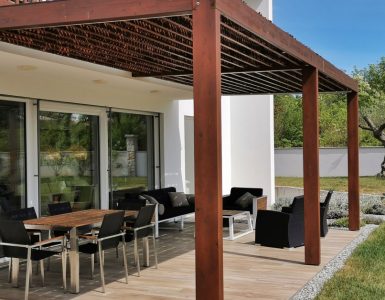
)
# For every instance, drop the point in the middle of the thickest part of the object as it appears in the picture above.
(89, 248)
(42, 254)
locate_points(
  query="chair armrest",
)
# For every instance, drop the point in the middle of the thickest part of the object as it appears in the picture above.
(226, 199)
(88, 237)
(287, 209)
(49, 241)
(111, 236)
(271, 218)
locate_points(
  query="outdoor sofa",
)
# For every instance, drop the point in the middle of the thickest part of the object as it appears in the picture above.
(259, 201)
(165, 210)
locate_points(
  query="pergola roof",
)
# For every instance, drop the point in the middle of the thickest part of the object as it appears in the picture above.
(256, 56)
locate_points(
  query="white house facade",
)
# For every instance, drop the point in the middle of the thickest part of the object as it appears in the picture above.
(38, 90)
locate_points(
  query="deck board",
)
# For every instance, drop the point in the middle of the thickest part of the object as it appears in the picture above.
(251, 272)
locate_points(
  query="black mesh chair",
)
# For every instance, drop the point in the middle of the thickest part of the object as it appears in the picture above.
(324, 208)
(59, 208)
(22, 215)
(109, 236)
(142, 228)
(281, 229)
(17, 244)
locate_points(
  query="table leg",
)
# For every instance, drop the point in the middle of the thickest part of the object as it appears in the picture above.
(15, 272)
(231, 228)
(146, 252)
(249, 221)
(74, 261)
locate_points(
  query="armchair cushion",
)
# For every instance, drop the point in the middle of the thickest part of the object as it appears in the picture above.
(152, 200)
(178, 199)
(245, 200)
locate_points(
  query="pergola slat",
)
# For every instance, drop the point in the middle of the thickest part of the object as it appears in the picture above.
(59, 13)
(238, 11)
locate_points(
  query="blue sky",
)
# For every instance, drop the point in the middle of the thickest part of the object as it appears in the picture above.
(347, 33)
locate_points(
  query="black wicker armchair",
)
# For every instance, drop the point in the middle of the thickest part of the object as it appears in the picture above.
(281, 229)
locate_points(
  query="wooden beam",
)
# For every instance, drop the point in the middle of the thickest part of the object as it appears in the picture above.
(353, 162)
(311, 166)
(68, 12)
(234, 71)
(238, 11)
(208, 157)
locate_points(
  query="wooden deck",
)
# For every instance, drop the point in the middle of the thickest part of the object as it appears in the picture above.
(251, 272)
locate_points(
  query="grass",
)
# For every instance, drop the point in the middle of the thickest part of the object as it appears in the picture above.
(363, 276)
(369, 185)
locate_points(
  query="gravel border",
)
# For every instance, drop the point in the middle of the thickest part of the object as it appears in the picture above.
(311, 289)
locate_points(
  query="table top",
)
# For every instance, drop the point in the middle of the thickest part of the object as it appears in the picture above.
(232, 213)
(76, 219)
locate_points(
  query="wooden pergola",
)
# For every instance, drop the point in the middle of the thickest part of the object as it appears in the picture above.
(220, 47)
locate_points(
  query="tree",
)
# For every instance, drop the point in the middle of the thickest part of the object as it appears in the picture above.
(372, 102)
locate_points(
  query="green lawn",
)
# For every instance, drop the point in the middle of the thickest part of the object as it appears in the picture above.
(369, 185)
(363, 276)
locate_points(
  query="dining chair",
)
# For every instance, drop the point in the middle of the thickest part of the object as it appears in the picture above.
(59, 208)
(142, 228)
(108, 237)
(22, 215)
(17, 244)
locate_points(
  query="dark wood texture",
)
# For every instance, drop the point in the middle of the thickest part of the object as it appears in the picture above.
(208, 158)
(262, 203)
(57, 13)
(238, 11)
(353, 162)
(154, 39)
(311, 166)
(75, 219)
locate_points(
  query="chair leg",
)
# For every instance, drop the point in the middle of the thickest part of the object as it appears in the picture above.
(136, 255)
(28, 274)
(92, 265)
(10, 271)
(42, 271)
(125, 259)
(181, 223)
(155, 251)
(64, 268)
(101, 264)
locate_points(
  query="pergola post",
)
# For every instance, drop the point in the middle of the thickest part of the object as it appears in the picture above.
(353, 162)
(311, 166)
(208, 157)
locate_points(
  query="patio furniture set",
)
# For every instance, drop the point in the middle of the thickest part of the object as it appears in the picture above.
(89, 232)
(137, 216)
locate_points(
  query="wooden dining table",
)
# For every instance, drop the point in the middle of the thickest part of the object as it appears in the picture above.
(73, 221)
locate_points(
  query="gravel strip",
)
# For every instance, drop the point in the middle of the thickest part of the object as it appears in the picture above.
(311, 289)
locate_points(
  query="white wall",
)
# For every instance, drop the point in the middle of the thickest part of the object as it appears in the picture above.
(248, 135)
(333, 162)
(36, 75)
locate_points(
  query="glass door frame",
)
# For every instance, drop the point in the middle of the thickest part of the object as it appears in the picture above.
(156, 159)
(60, 107)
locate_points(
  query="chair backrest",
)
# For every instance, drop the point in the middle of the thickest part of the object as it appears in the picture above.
(131, 204)
(59, 208)
(5, 205)
(14, 232)
(237, 192)
(111, 225)
(298, 206)
(22, 214)
(327, 199)
(144, 218)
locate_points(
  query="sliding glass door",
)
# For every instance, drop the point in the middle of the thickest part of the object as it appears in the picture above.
(69, 159)
(12, 156)
(131, 154)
